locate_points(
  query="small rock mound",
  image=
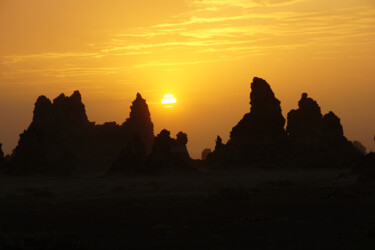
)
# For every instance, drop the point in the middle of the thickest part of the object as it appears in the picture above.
(168, 152)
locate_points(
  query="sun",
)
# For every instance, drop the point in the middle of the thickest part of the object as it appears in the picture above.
(168, 100)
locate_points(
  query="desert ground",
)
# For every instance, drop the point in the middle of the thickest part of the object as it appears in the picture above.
(236, 209)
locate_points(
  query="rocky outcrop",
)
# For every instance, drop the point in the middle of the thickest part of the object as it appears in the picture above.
(139, 122)
(168, 152)
(305, 123)
(61, 139)
(318, 140)
(264, 124)
(55, 139)
(261, 131)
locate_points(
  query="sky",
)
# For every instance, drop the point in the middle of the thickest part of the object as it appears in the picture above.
(205, 52)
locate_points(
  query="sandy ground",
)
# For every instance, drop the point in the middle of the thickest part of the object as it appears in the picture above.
(239, 209)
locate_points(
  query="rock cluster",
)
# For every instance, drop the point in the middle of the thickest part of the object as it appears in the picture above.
(169, 152)
(61, 139)
(310, 139)
(318, 140)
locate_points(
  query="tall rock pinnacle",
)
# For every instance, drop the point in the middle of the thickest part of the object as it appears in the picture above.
(265, 122)
(139, 122)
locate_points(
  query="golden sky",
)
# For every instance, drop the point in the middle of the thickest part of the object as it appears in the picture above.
(205, 52)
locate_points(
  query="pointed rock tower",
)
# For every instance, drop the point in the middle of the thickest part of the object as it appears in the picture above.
(139, 122)
(261, 130)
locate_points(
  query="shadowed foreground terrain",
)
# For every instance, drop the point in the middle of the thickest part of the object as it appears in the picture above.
(238, 209)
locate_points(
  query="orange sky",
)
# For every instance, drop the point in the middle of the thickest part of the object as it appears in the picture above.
(205, 52)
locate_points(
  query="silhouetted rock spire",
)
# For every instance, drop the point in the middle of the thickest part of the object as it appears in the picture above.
(260, 132)
(265, 122)
(139, 122)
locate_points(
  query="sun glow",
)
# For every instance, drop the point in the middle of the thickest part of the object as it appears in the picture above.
(168, 100)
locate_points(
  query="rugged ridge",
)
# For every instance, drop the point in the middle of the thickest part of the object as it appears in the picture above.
(310, 139)
(318, 140)
(61, 139)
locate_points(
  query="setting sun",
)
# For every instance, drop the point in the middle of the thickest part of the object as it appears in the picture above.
(169, 100)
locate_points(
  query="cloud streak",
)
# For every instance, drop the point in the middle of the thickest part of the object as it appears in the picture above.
(219, 30)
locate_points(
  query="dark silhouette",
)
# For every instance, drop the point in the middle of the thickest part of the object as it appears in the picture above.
(219, 145)
(304, 124)
(310, 139)
(139, 122)
(168, 152)
(318, 140)
(62, 140)
(260, 135)
(2, 158)
(205, 153)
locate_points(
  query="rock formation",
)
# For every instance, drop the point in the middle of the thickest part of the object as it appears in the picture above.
(265, 122)
(318, 140)
(261, 131)
(61, 139)
(304, 123)
(139, 122)
(169, 152)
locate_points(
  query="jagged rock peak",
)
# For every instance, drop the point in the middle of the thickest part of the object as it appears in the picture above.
(308, 104)
(306, 121)
(74, 98)
(264, 125)
(139, 108)
(63, 110)
(139, 122)
(262, 98)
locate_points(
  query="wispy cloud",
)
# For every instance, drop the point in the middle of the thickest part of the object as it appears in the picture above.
(217, 30)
